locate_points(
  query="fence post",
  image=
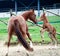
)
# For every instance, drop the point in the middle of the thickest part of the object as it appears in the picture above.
(58, 12)
(16, 7)
(38, 7)
(10, 12)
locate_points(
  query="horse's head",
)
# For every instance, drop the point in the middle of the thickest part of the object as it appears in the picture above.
(42, 17)
(32, 16)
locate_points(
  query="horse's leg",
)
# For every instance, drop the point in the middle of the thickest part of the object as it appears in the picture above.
(9, 38)
(29, 39)
(29, 36)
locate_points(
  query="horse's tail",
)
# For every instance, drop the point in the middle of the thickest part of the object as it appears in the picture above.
(20, 38)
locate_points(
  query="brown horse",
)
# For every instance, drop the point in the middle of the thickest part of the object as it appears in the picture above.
(49, 28)
(17, 26)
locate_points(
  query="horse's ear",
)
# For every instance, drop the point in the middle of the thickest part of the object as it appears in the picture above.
(32, 10)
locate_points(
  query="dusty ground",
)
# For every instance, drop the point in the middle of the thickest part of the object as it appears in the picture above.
(39, 50)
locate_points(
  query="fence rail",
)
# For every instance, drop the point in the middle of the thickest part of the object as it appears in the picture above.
(54, 6)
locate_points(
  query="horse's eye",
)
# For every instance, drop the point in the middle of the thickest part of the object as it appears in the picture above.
(35, 15)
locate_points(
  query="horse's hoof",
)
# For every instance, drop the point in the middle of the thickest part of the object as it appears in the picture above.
(6, 54)
(27, 54)
(18, 51)
(31, 49)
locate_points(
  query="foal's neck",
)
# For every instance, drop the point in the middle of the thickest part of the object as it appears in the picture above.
(45, 20)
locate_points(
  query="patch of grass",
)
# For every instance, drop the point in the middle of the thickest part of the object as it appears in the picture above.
(33, 30)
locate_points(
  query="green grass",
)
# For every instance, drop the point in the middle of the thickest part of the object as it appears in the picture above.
(33, 30)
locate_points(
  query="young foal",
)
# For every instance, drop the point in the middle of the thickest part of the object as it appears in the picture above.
(17, 26)
(49, 28)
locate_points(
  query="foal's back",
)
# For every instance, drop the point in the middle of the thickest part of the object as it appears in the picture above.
(49, 28)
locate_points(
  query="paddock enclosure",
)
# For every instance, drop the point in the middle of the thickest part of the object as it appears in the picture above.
(19, 7)
(33, 29)
(41, 50)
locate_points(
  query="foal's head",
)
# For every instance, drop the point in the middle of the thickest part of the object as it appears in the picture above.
(42, 17)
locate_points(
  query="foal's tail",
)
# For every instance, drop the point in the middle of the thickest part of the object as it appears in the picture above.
(20, 38)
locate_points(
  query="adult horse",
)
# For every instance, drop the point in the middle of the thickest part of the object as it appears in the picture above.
(17, 26)
(49, 28)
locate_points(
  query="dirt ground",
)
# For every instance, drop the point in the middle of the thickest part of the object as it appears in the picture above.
(39, 50)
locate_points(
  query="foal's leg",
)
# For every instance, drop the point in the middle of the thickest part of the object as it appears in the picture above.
(42, 34)
(55, 39)
(51, 37)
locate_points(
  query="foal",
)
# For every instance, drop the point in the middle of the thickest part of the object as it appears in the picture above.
(49, 28)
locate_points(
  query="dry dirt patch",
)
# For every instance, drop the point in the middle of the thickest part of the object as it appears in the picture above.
(39, 50)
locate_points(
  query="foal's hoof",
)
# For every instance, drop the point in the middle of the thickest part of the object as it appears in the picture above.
(43, 41)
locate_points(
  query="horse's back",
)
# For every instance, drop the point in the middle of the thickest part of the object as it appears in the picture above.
(20, 21)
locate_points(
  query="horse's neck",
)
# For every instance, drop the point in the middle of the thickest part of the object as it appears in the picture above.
(25, 15)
